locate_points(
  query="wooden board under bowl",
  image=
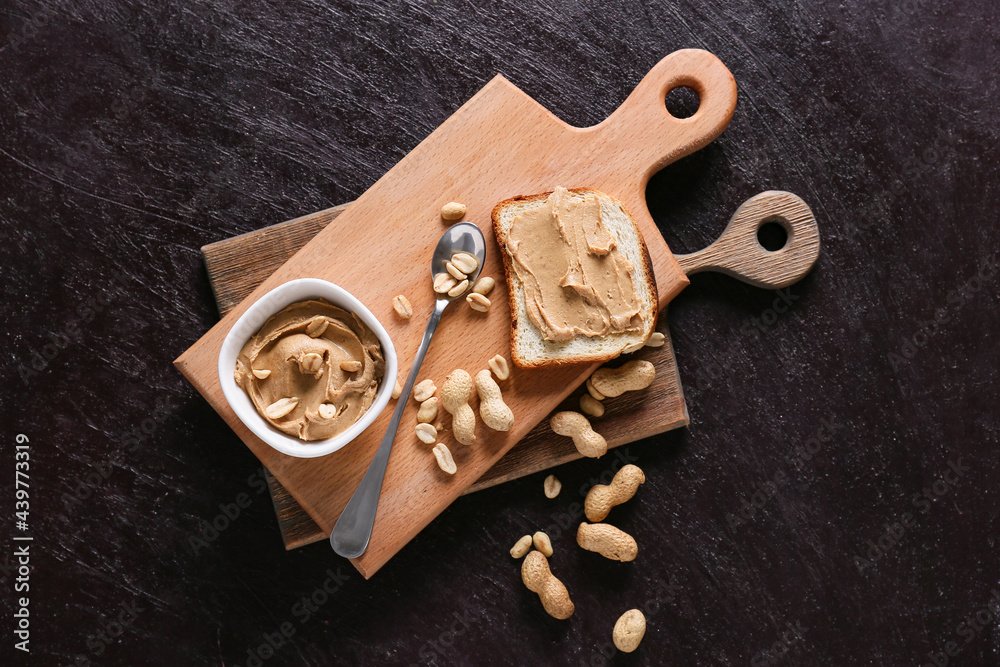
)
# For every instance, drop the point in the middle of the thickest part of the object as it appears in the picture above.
(237, 265)
(499, 144)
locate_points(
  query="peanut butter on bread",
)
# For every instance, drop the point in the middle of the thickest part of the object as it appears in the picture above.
(576, 281)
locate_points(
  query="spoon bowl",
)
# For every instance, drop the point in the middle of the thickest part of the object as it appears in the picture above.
(463, 237)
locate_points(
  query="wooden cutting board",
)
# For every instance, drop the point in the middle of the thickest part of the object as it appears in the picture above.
(501, 143)
(237, 265)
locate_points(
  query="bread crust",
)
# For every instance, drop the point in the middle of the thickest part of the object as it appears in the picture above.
(501, 238)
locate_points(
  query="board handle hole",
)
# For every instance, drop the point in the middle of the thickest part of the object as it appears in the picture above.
(682, 102)
(773, 233)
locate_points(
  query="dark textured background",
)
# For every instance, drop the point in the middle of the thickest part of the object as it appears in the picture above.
(131, 134)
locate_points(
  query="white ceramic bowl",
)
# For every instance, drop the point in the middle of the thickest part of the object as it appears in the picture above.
(250, 323)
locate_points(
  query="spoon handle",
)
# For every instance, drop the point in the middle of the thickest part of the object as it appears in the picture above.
(350, 536)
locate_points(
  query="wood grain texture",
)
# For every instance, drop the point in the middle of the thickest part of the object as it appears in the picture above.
(132, 134)
(499, 144)
(738, 253)
(237, 265)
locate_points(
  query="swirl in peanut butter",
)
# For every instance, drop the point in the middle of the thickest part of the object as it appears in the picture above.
(576, 281)
(312, 370)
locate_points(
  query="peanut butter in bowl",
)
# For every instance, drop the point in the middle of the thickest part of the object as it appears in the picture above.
(312, 370)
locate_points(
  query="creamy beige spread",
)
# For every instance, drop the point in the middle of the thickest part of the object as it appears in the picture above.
(576, 281)
(312, 370)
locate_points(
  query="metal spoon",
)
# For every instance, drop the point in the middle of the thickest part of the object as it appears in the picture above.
(354, 527)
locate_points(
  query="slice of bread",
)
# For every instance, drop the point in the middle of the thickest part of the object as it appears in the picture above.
(528, 346)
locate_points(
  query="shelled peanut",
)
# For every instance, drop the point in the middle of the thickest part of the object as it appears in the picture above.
(444, 458)
(521, 547)
(629, 631)
(453, 211)
(542, 542)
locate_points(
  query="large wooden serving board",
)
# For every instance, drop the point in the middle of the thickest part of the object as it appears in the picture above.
(237, 265)
(501, 143)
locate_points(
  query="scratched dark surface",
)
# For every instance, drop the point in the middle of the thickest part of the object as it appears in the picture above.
(132, 134)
